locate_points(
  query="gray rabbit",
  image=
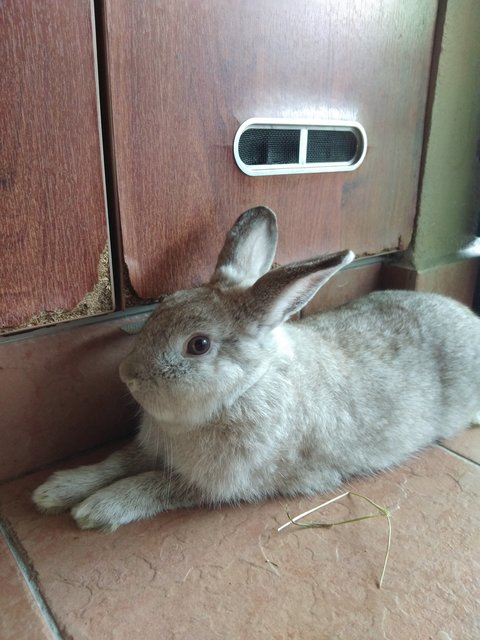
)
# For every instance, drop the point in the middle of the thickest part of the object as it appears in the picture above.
(239, 405)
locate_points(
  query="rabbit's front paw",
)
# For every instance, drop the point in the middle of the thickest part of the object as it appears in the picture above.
(66, 488)
(91, 514)
(103, 510)
(127, 500)
(57, 494)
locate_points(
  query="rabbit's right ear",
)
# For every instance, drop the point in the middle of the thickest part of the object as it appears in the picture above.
(284, 291)
(249, 249)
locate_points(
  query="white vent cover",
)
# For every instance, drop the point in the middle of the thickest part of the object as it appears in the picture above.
(272, 146)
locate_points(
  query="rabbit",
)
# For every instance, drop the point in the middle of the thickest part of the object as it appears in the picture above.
(240, 405)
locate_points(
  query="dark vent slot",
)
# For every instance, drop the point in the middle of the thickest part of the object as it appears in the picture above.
(331, 146)
(269, 146)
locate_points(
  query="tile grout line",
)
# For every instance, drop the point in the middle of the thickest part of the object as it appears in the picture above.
(458, 455)
(27, 574)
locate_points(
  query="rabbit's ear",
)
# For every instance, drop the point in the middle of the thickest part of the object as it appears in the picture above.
(284, 291)
(249, 249)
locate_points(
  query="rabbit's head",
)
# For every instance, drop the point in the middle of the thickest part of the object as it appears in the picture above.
(203, 348)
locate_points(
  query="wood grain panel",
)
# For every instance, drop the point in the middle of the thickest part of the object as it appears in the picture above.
(184, 75)
(51, 185)
(347, 285)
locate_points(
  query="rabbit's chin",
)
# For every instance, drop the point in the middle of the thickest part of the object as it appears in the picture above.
(182, 415)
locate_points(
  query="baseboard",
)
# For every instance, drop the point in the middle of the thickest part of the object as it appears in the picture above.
(455, 279)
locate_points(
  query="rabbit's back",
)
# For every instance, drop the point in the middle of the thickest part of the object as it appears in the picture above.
(406, 321)
(405, 369)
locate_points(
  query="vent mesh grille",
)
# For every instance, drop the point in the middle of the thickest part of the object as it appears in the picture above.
(279, 146)
(331, 146)
(269, 146)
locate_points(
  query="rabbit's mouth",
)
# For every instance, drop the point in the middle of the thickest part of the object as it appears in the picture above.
(172, 404)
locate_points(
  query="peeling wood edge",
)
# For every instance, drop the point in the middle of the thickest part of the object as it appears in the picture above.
(130, 296)
(95, 302)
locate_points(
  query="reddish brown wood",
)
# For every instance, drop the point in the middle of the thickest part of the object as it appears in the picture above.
(347, 285)
(51, 186)
(184, 75)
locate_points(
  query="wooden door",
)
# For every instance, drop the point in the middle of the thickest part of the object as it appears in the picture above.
(54, 240)
(184, 75)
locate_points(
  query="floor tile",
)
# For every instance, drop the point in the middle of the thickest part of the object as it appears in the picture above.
(228, 573)
(466, 444)
(20, 618)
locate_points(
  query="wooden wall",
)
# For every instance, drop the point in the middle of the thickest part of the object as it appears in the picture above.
(54, 239)
(180, 77)
(184, 75)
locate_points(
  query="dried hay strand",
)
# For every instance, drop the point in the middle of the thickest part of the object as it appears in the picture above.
(382, 512)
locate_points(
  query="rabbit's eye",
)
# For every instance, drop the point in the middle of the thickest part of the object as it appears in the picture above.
(198, 345)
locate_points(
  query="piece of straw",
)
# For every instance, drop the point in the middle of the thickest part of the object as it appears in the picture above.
(382, 513)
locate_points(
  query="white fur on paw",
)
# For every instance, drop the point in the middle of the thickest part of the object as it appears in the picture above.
(53, 496)
(64, 489)
(476, 420)
(98, 512)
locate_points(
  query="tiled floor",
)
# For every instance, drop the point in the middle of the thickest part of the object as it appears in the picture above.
(229, 574)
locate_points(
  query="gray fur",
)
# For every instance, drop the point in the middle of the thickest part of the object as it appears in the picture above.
(276, 408)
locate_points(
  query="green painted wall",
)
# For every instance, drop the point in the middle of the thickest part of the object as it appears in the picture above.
(450, 201)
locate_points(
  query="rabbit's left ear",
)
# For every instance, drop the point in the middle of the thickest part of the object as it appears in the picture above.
(284, 291)
(249, 249)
